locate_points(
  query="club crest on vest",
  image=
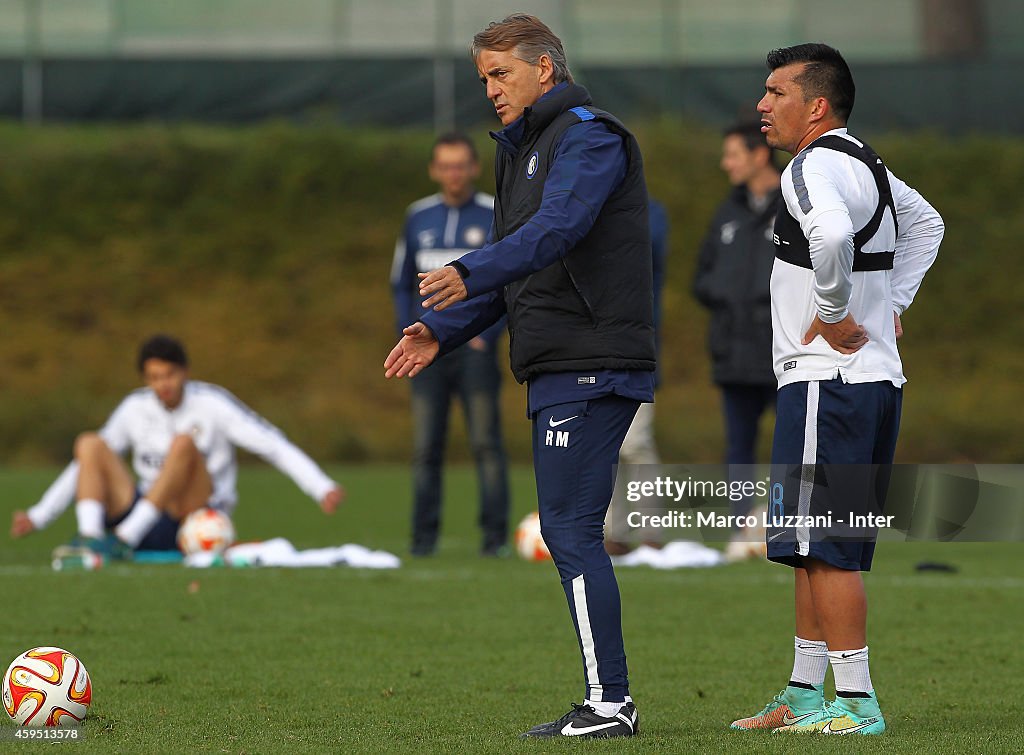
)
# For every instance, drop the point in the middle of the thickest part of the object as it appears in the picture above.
(531, 166)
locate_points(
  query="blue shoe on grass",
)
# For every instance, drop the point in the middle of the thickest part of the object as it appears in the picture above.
(844, 715)
(90, 553)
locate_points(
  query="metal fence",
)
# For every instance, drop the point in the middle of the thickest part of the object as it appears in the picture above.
(599, 34)
(598, 31)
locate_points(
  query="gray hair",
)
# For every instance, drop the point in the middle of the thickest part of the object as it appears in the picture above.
(528, 38)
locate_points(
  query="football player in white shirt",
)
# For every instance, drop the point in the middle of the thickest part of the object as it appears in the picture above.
(853, 244)
(182, 436)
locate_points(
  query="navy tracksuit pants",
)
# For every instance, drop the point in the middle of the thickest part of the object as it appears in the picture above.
(575, 450)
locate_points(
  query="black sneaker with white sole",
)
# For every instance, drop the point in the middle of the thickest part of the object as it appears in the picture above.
(583, 721)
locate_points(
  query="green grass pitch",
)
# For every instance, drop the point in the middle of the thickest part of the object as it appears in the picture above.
(460, 654)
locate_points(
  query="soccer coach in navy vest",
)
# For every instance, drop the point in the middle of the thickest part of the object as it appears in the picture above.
(571, 266)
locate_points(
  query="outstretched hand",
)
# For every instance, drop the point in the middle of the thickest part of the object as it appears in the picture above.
(845, 336)
(444, 286)
(413, 353)
(21, 525)
(332, 499)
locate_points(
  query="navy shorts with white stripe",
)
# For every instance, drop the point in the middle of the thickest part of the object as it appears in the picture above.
(832, 452)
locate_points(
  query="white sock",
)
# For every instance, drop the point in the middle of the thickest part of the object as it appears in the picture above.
(90, 515)
(605, 710)
(138, 523)
(810, 662)
(850, 668)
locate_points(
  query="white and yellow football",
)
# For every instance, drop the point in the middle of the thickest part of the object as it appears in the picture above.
(47, 686)
(205, 530)
(529, 543)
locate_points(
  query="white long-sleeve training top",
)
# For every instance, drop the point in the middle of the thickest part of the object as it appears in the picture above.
(217, 423)
(833, 195)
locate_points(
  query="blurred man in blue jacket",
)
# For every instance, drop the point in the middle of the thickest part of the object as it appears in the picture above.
(439, 229)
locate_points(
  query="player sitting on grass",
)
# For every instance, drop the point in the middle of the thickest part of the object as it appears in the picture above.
(182, 434)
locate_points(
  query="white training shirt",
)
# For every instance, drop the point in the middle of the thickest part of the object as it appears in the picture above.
(838, 196)
(216, 421)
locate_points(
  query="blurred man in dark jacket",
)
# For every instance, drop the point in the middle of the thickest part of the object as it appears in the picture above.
(733, 274)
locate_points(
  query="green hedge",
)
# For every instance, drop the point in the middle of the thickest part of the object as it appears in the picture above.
(267, 249)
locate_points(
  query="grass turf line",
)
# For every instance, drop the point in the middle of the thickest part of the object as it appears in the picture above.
(460, 654)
